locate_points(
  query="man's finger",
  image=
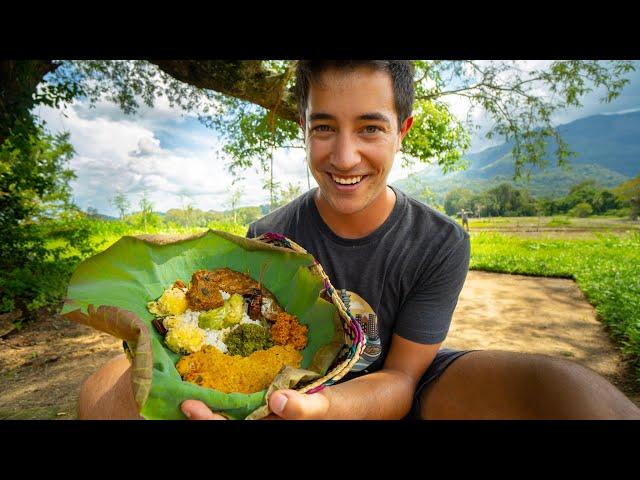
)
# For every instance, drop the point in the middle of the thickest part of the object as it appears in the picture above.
(292, 405)
(197, 410)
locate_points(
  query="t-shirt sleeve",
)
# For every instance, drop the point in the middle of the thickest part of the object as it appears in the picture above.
(426, 314)
(251, 231)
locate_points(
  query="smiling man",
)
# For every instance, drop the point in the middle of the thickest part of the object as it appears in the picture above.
(407, 262)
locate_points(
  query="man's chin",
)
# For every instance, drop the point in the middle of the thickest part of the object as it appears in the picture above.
(347, 207)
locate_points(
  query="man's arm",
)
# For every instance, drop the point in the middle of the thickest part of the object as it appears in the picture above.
(383, 395)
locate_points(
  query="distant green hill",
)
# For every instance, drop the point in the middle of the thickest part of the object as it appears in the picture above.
(607, 150)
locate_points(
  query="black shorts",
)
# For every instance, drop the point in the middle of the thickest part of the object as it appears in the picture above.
(444, 358)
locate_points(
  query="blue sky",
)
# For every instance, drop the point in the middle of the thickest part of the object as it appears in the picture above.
(178, 161)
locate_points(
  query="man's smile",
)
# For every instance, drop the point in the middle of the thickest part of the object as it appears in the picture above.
(347, 183)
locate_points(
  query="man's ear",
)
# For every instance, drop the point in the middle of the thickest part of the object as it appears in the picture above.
(404, 129)
(301, 124)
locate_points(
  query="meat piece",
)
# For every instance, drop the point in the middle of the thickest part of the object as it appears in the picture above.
(204, 292)
(233, 282)
(255, 304)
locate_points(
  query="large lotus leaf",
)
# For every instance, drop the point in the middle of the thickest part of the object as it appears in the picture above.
(134, 271)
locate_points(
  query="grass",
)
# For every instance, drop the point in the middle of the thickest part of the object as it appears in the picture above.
(593, 223)
(104, 234)
(606, 268)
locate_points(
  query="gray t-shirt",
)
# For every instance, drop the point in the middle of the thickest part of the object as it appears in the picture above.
(410, 270)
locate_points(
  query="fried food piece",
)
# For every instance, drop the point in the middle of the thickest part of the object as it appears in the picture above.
(179, 284)
(204, 292)
(233, 282)
(287, 331)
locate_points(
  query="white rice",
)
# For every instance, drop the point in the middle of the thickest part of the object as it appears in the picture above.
(189, 317)
(214, 338)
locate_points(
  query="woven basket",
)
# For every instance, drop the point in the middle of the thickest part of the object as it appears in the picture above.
(354, 338)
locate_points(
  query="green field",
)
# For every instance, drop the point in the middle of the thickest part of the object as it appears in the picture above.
(557, 226)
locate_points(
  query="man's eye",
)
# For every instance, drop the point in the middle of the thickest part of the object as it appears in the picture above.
(321, 128)
(372, 129)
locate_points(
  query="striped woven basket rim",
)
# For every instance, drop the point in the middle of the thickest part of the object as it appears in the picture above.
(353, 334)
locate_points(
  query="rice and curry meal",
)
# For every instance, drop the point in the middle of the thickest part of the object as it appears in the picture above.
(231, 332)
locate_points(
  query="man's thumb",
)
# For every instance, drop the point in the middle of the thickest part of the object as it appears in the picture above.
(292, 405)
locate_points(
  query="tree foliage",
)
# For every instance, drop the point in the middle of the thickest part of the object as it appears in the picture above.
(629, 192)
(121, 203)
(41, 231)
(584, 199)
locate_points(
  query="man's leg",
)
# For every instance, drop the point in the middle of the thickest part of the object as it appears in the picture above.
(107, 394)
(506, 385)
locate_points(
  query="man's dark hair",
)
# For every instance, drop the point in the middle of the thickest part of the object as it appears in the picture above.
(401, 71)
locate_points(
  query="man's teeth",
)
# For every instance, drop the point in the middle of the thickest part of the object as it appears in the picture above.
(346, 181)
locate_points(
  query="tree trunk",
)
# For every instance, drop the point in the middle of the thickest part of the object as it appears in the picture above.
(18, 82)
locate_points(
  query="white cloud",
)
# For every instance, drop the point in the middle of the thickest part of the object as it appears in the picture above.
(121, 155)
(148, 147)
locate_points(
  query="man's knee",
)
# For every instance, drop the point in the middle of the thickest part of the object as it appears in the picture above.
(107, 394)
(497, 384)
(570, 390)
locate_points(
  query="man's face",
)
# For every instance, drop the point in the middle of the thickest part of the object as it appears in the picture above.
(352, 136)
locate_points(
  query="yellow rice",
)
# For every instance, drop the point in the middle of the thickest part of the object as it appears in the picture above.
(233, 373)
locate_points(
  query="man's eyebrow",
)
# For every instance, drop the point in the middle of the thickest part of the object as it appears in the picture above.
(365, 116)
(374, 116)
(321, 116)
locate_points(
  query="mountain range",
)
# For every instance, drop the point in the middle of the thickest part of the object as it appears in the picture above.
(606, 147)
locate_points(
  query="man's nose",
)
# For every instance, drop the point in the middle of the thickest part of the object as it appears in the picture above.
(345, 154)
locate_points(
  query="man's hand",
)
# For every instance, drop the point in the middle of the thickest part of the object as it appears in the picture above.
(197, 410)
(285, 405)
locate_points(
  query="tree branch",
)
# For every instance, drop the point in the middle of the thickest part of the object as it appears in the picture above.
(243, 79)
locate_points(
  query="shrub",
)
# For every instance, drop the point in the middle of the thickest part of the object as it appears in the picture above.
(581, 210)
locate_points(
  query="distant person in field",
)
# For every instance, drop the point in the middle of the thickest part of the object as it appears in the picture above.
(465, 219)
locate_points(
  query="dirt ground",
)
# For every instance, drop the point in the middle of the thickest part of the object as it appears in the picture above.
(43, 365)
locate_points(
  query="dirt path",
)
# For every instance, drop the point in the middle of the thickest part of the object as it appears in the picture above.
(549, 316)
(43, 366)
